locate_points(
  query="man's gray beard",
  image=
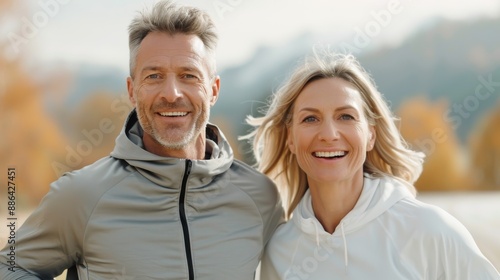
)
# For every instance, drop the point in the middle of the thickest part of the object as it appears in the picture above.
(186, 139)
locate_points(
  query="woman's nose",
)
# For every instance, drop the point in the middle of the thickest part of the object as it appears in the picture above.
(328, 131)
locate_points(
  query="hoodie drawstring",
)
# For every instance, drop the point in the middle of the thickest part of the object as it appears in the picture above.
(317, 234)
(346, 260)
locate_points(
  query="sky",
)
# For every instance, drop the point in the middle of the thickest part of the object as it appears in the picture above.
(95, 32)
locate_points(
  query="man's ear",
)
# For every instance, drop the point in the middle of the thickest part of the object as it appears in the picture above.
(130, 89)
(215, 90)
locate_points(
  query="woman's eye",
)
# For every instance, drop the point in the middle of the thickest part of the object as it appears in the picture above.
(309, 119)
(346, 117)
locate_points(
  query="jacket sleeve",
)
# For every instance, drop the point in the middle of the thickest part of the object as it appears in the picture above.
(47, 242)
(276, 215)
(459, 254)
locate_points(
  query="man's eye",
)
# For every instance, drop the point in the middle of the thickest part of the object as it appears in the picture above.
(190, 76)
(153, 76)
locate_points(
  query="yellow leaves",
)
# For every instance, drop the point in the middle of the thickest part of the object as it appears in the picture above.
(449, 165)
(485, 151)
(30, 139)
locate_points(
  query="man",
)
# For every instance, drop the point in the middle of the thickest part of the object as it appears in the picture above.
(170, 202)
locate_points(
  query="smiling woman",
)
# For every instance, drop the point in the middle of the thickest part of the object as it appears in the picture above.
(330, 134)
(333, 78)
(330, 143)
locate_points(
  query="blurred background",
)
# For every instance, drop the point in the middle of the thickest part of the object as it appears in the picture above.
(63, 98)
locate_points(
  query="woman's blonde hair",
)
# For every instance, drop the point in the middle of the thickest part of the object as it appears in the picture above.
(390, 155)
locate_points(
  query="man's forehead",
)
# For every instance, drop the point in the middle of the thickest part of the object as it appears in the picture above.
(172, 61)
(163, 49)
(158, 42)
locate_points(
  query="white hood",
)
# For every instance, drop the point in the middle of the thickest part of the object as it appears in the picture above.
(377, 195)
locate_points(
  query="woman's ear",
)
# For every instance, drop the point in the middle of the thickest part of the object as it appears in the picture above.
(371, 140)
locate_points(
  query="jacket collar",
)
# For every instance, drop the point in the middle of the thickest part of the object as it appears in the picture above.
(168, 171)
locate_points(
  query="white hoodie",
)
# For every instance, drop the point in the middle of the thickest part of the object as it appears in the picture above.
(388, 235)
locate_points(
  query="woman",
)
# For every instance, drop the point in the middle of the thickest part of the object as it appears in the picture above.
(330, 143)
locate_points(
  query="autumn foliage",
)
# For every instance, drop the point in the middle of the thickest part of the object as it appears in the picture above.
(449, 164)
(485, 151)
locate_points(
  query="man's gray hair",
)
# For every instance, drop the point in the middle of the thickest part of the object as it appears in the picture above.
(167, 17)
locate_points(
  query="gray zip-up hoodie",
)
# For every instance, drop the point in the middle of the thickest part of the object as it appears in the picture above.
(136, 215)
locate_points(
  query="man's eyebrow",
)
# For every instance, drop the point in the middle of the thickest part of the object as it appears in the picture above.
(151, 68)
(190, 68)
(181, 68)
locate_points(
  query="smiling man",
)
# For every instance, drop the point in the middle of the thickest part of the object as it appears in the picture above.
(170, 202)
(173, 88)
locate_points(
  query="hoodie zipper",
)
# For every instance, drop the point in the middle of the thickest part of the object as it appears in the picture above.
(182, 214)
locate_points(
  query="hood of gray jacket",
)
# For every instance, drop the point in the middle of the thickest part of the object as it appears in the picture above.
(129, 147)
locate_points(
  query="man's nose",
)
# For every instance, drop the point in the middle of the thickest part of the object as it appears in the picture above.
(170, 89)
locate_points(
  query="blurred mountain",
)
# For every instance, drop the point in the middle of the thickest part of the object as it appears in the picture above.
(445, 60)
(450, 61)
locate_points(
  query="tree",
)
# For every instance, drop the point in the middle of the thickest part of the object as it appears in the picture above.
(485, 151)
(425, 129)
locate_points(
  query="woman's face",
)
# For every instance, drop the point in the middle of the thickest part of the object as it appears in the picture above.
(329, 133)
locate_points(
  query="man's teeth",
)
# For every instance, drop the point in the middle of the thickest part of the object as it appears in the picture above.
(330, 154)
(173, 114)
